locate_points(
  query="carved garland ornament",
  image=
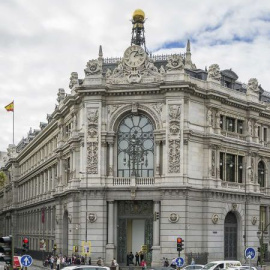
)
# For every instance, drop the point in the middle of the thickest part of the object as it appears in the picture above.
(92, 142)
(254, 220)
(174, 139)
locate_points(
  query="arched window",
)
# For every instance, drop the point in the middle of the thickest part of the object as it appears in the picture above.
(135, 149)
(261, 174)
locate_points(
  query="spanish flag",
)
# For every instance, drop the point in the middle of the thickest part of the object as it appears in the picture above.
(10, 107)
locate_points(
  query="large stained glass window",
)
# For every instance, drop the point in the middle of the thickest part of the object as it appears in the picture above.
(135, 150)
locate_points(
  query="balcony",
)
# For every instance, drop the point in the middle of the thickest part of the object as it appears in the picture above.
(128, 181)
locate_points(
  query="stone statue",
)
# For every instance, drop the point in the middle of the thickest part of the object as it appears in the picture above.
(214, 72)
(209, 117)
(175, 62)
(252, 86)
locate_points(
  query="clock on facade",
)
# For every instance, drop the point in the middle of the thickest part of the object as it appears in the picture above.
(134, 56)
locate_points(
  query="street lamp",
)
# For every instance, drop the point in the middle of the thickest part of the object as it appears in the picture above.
(245, 228)
(86, 198)
(137, 155)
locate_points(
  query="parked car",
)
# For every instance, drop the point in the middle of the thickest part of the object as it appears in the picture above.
(244, 267)
(193, 267)
(218, 265)
(86, 267)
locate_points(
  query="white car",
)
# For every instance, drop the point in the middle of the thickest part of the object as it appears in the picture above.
(86, 267)
(193, 267)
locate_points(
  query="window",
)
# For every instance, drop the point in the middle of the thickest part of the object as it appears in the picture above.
(135, 149)
(240, 128)
(231, 168)
(261, 174)
(230, 124)
(262, 218)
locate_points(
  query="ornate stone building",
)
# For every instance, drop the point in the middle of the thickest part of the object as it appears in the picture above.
(144, 149)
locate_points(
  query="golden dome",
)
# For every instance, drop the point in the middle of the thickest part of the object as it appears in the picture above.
(138, 15)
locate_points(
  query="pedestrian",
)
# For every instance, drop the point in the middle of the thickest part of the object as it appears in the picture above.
(58, 263)
(173, 263)
(137, 259)
(131, 258)
(99, 262)
(89, 262)
(143, 265)
(259, 257)
(192, 261)
(141, 256)
(166, 263)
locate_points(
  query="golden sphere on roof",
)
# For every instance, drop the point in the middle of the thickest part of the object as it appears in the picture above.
(138, 15)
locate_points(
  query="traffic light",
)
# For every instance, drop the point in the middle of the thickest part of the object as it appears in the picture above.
(25, 244)
(6, 249)
(180, 244)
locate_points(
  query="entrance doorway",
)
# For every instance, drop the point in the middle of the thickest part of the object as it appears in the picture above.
(230, 237)
(135, 229)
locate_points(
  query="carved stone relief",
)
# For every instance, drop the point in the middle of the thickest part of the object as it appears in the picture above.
(92, 217)
(93, 67)
(254, 220)
(215, 218)
(174, 139)
(213, 163)
(92, 141)
(175, 62)
(173, 217)
(129, 71)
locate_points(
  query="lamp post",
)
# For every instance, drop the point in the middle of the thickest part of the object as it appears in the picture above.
(86, 198)
(137, 155)
(245, 228)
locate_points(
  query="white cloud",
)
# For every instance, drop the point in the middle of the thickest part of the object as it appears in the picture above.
(43, 41)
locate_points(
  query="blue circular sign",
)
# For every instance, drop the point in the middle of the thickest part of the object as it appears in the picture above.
(250, 253)
(26, 260)
(180, 262)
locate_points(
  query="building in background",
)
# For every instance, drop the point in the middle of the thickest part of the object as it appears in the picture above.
(144, 149)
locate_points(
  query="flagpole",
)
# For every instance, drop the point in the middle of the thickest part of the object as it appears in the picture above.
(13, 120)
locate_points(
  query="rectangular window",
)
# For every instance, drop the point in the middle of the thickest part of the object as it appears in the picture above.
(230, 168)
(265, 134)
(221, 121)
(262, 218)
(230, 124)
(240, 169)
(240, 127)
(221, 166)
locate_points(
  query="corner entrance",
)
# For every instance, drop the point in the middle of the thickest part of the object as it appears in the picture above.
(135, 229)
(230, 237)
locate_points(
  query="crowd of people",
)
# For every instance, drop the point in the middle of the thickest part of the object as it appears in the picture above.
(139, 259)
(59, 261)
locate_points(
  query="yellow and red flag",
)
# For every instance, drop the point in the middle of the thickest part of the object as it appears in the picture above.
(10, 107)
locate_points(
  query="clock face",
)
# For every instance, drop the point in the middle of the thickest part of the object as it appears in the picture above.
(134, 56)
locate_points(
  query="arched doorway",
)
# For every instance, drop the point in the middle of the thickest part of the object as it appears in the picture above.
(65, 234)
(230, 237)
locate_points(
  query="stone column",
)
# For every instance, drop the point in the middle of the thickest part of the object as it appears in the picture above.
(157, 158)
(110, 244)
(156, 234)
(110, 159)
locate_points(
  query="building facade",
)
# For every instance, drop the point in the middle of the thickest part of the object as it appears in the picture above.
(144, 149)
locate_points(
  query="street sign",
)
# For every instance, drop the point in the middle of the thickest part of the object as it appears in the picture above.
(180, 262)
(250, 253)
(26, 260)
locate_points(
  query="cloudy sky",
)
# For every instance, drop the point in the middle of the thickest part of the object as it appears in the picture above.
(43, 41)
